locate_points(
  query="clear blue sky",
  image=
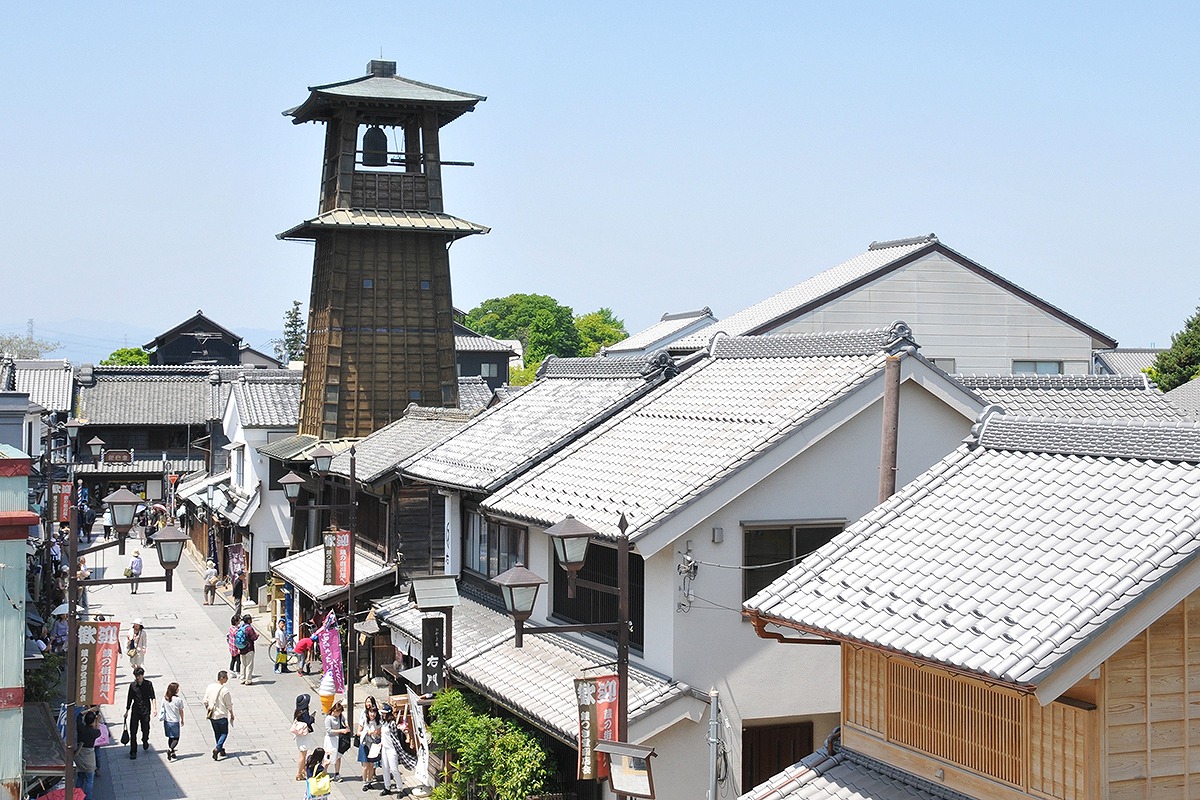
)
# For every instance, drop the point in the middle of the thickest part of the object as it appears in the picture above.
(648, 157)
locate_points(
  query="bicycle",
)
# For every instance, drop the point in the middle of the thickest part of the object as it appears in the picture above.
(292, 661)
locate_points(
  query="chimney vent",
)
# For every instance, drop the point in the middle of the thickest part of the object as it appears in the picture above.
(381, 69)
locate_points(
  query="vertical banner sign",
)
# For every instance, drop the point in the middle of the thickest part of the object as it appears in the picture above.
(61, 501)
(330, 571)
(341, 558)
(237, 558)
(99, 646)
(330, 642)
(421, 735)
(597, 698)
(433, 635)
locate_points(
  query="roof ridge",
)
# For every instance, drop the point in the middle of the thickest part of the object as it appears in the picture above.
(896, 338)
(1139, 439)
(930, 238)
(1081, 381)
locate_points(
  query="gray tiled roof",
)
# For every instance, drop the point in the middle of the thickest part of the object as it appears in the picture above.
(397, 441)
(8, 374)
(1112, 396)
(1186, 398)
(847, 775)
(478, 343)
(1126, 360)
(306, 571)
(48, 382)
(473, 393)
(749, 320)
(1012, 553)
(535, 681)
(154, 395)
(689, 435)
(287, 449)
(664, 330)
(143, 466)
(505, 392)
(570, 396)
(268, 398)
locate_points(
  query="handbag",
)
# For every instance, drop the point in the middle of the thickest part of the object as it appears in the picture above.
(131, 649)
(162, 713)
(319, 785)
(129, 572)
(299, 728)
(357, 740)
(375, 751)
(125, 731)
(343, 743)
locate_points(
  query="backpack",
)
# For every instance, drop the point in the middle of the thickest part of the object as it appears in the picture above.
(241, 639)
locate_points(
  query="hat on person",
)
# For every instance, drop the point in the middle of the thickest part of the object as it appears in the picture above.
(303, 701)
(209, 563)
(386, 708)
(137, 552)
(137, 621)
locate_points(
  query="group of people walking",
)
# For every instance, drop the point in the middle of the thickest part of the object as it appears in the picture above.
(377, 737)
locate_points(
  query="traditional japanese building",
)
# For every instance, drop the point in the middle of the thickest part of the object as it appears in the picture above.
(380, 325)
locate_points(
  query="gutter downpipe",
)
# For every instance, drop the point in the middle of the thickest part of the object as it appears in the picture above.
(713, 754)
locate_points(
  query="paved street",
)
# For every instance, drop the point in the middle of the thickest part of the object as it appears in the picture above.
(187, 644)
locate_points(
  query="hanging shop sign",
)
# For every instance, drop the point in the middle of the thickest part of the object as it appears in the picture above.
(330, 642)
(60, 494)
(433, 638)
(598, 700)
(99, 646)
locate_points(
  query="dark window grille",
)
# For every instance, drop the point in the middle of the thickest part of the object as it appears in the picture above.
(590, 606)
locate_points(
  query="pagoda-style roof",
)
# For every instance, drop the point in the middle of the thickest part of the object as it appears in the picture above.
(384, 220)
(381, 89)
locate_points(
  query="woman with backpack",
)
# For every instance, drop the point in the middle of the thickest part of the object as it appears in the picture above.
(235, 657)
(302, 728)
(244, 638)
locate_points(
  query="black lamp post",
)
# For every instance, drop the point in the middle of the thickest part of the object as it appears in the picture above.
(519, 587)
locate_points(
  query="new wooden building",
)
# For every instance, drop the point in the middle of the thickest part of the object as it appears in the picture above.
(1023, 620)
(380, 325)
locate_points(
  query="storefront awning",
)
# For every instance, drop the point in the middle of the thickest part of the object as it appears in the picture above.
(43, 754)
(306, 571)
(196, 491)
(537, 682)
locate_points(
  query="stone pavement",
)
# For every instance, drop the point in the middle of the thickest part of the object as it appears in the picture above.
(187, 644)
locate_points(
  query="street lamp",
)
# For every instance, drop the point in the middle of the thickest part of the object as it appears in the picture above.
(123, 505)
(322, 459)
(170, 541)
(96, 444)
(291, 484)
(519, 586)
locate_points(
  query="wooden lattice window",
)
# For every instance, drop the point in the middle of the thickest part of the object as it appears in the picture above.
(961, 721)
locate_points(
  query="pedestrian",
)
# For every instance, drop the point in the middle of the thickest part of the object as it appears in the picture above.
(368, 741)
(315, 768)
(281, 648)
(239, 589)
(140, 704)
(106, 521)
(171, 714)
(304, 651)
(58, 634)
(210, 583)
(389, 751)
(235, 655)
(302, 728)
(82, 573)
(55, 556)
(218, 707)
(245, 638)
(337, 737)
(134, 571)
(138, 644)
(85, 754)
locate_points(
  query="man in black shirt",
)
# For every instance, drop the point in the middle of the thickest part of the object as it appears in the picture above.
(138, 708)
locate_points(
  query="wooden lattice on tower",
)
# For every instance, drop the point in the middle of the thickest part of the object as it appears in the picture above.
(380, 321)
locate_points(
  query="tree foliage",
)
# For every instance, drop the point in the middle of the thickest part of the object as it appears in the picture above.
(290, 347)
(492, 757)
(127, 357)
(544, 326)
(26, 345)
(598, 329)
(1179, 363)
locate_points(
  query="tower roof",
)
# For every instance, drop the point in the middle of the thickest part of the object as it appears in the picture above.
(382, 90)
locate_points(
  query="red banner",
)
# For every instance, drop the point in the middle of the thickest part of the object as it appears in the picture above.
(61, 501)
(599, 701)
(99, 650)
(341, 559)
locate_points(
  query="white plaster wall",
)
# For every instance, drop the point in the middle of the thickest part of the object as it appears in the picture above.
(12, 657)
(957, 314)
(761, 681)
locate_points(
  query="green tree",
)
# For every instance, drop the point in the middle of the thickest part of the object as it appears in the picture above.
(26, 345)
(544, 326)
(524, 375)
(599, 329)
(291, 346)
(1179, 363)
(127, 357)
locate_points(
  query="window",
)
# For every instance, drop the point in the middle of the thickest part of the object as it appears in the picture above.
(772, 551)
(769, 750)
(1037, 368)
(944, 364)
(368, 283)
(489, 370)
(592, 606)
(239, 467)
(489, 547)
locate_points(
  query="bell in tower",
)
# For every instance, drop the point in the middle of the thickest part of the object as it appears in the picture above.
(380, 320)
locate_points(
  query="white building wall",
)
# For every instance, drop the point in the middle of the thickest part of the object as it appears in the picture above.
(12, 655)
(955, 313)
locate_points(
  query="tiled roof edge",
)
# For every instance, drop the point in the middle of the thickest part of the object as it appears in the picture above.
(929, 239)
(1055, 381)
(894, 339)
(1151, 440)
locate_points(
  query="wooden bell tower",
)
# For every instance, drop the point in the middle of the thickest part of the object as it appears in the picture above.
(380, 320)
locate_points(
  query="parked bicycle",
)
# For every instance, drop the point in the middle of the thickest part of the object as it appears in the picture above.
(291, 660)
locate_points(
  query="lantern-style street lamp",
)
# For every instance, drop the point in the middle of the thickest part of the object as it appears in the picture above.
(519, 587)
(571, 538)
(322, 458)
(169, 542)
(291, 484)
(123, 505)
(96, 445)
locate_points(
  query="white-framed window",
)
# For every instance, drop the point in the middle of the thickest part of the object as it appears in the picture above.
(490, 547)
(1037, 368)
(771, 549)
(489, 370)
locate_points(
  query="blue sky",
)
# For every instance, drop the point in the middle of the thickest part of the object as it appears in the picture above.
(648, 157)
